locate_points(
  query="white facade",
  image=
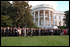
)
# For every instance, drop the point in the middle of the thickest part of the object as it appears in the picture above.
(45, 16)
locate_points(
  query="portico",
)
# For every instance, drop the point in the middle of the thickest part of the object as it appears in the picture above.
(44, 16)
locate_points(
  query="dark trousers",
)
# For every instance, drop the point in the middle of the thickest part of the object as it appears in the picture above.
(39, 34)
(31, 35)
(42, 34)
(13, 34)
(10, 34)
(34, 34)
(7, 34)
(17, 33)
(22, 34)
(1, 34)
(51, 33)
(27, 34)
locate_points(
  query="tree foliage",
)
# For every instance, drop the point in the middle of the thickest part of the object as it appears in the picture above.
(5, 18)
(19, 12)
(5, 21)
(66, 19)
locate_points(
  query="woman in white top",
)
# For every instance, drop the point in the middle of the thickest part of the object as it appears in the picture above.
(51, 31)
(19, 30)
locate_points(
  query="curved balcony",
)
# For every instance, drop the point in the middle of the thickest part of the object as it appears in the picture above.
(43, 5)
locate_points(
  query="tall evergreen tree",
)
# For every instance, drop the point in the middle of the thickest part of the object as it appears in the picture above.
(66, 19)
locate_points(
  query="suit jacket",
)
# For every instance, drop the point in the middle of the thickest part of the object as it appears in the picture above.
(2, 30)
(7, 30)
(14, 30)
(31, 30)
(27, 30)
(11, 30)
(22, 30)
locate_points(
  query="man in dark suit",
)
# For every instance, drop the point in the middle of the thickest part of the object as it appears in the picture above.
(37, 31)
(31, 32)
(8, 31)
(42, 31)
(27, 30)
(55, 31)
(2, 31)
(34, 32)
(68, 31)
(46, 33)
(58, 31)
(11, 31)
(22, 32)
(14, 31)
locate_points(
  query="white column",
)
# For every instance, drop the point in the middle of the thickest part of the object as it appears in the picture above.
(38, 18)
(57, 21)
(49, 19)
(34, 17)
(61, 21)
(44, 16)
(53, 19)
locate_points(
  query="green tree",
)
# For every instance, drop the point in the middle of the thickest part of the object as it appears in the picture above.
(66, 19)
(5, 18)
(5, 21)
(18, 13)
(22, 14)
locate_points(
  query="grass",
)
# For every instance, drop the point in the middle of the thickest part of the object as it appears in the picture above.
(35, 41)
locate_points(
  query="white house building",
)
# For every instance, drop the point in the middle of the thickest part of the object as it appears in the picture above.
(45, 16)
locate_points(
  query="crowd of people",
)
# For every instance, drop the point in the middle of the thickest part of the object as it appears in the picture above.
(32, 31)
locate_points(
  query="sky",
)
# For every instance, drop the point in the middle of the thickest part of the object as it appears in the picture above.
(58, 5)
(62, 5)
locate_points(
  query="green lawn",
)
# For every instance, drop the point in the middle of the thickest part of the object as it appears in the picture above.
(35, 41)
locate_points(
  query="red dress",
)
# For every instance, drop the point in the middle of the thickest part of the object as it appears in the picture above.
(64, 32)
